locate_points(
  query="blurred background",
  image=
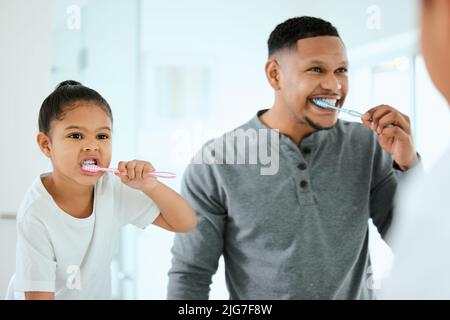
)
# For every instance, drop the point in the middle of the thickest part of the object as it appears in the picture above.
(178, 73)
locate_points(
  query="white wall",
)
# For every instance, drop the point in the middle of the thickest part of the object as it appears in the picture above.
(102, 54)
(25, 60)
(7, 251)
(234, 35)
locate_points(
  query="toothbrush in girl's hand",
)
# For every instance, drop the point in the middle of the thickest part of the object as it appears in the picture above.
(325, 105)
(95, 168)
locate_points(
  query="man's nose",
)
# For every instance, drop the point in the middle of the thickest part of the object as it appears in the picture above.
(332, 83)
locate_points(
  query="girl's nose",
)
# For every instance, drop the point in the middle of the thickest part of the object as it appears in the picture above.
(90, 147)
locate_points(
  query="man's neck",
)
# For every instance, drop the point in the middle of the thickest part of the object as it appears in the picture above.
(287, 124)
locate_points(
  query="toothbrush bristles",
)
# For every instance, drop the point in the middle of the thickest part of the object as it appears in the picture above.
(90, 167)
(326, 105)
(323, 104)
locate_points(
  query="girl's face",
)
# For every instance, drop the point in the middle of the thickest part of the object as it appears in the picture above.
(84, 134)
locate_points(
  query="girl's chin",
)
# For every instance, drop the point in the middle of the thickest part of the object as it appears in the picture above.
(89, 174)
(88, 179)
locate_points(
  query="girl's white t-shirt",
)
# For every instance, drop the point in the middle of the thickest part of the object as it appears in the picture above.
(69, 256)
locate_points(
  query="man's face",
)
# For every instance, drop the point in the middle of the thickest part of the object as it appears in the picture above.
(316, 68)
(435, 42)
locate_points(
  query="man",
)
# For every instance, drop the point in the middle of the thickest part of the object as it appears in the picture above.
(301, 233)
(421, 237)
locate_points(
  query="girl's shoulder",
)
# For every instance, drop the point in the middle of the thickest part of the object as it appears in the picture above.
(106, 183)
(36, 202)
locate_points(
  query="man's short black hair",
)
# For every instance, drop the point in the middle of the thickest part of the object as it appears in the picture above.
(286, 34)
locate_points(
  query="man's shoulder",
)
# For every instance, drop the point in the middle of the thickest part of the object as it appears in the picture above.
(351, 126)
(245, 129)
(216, 150)
(354, 131)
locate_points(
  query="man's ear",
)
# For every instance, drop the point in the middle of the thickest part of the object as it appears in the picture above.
(44, 143)
(273, 73)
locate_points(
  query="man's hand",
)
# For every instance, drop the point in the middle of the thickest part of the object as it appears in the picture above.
(135, 174)
(394, 130)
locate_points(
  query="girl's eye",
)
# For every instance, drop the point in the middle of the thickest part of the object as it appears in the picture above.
(75, 136)
(342, 70)
(102, 136)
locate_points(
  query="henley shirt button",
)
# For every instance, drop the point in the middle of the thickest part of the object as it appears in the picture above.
(302, 166)
(303, 184)
(307, 150)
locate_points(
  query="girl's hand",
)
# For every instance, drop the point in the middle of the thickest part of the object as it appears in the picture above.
(135, 174)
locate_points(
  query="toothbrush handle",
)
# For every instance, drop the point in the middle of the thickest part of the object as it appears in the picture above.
(352, 112)
(162, 174)
(157, 174)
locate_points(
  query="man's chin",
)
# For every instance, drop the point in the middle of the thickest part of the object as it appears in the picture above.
(322, 125)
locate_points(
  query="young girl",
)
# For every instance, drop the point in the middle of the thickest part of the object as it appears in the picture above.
(70, 219)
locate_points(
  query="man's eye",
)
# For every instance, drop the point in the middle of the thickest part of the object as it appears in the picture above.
(102, 136)
(316, 69)
(75, 136)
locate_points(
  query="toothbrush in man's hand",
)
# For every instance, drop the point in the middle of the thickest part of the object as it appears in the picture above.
(325, 105)
(94, 168)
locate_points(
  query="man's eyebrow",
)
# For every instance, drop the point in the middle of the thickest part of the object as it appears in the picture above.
(83, 128)
(345, 62)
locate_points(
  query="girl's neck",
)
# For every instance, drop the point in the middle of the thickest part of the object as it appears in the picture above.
(74, 199)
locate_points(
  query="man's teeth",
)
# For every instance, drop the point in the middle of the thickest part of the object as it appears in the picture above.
(333, 102)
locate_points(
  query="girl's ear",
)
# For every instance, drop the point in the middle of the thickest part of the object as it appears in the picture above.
(44, 143)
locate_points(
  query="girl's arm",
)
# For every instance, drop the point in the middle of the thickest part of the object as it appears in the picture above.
(39, 296)
(176, 213)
